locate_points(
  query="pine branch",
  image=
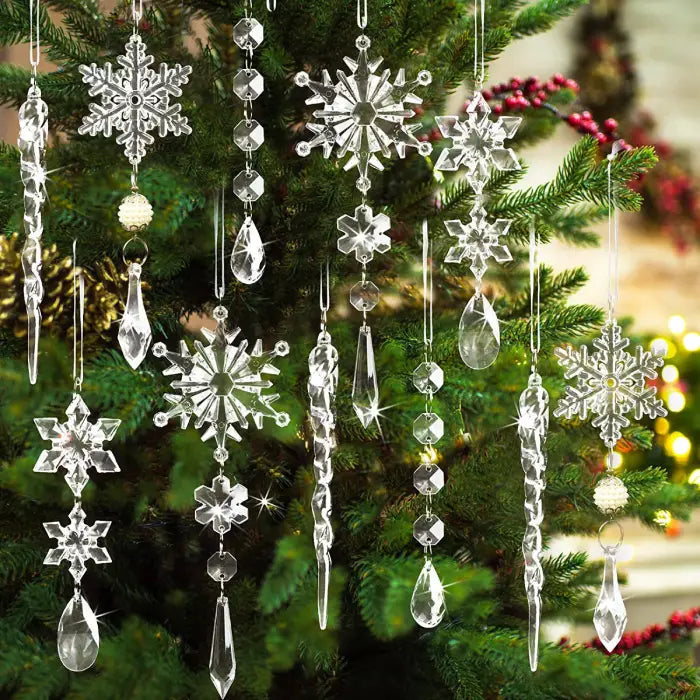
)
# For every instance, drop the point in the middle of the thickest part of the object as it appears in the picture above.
(542, 16)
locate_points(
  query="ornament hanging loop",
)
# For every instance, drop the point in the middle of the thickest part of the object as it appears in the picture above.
(479, 70)
(135, 240)
(78, 322)
(271, 5)
(427, 293)
(219, 245)
(34, 43)
(362, 14)
(613, 230)
(136, 13)
(608, 548)
(535, 321)
(324, 294)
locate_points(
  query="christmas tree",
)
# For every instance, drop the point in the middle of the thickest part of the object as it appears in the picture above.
(155, 600)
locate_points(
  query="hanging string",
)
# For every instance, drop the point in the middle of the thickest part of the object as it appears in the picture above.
(34, 44)
(613, 225)
(271, 5)
(479, 14)
(324, 294)
(78, 321)
(136, 13)
(362, 14)
(535, 335)
(219, 244)
(427, 292)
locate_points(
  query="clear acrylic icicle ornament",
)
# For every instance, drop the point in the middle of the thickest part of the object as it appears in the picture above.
(322, 386)
(77, 446)
(33, 134)
(135, 100)
(428, 598)
(533, 422)
(610, 383)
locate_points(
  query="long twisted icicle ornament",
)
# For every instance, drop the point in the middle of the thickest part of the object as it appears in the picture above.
(322, 385)
(33, 133)
(533, 422)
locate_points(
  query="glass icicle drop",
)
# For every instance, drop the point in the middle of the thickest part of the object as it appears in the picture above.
(365, 390)
(479, 333)
(78, 636)
(248, 256)
(134, 330)
(222, 661)
(610, 616)
(428, 599)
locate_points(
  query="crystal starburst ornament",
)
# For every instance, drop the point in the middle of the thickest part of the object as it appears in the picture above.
(221, 384)
(610, 383)
(478, 143)
(77, 445)
(77, 542)
(363, 113)
(221, 504)
(135, 100)
(478, 240)
(364, 234)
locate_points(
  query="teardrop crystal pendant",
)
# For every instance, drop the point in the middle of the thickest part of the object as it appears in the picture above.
(78, 636)
(365, 390)
(479, 333)
(248, 256)
(428, 599)
(610, 616)
(222, 661)
(134, 329)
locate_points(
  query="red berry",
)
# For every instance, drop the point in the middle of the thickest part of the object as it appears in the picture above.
(542, 94)
(558, 78)
(515, 83)
(419, 111)
(574, 119)
(518, 93)
(610, 124)
(586, 115)
(571, 84)
(550, 86)
(536, 102)
(523, 101)
(488, 95)
(497, 109)
(511, 102)
(503, 87)
(592, 127)
(601, 138)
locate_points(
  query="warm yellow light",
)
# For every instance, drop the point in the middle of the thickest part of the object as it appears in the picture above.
(691, 342)
(678, 445)
(676, 324)
(694, 477)
(671, 351)
(675, 401)
(662, 517)
(661, 426)
(613, 460)
(659, 347)
(429, 455)
(669, 373)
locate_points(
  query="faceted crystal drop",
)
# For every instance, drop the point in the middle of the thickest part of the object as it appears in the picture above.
(479, 333)
(533, 631)
(78, 636)
(134, 330)
(365, 391)
(610, 616)
(222, 661)
(324, 575)
(248, 256)
(428, 599)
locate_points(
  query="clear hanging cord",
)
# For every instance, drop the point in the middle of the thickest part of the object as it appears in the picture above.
(136, 13)
(479, 70)
(219, 245)
(535, 334)
(613, 226)
(78, 322)
(362, 14)
(34, 43)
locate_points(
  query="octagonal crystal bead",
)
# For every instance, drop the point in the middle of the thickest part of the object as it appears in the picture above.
(364, 296)
(248, 135)
(428, 530)
(248, 185)
(428, 428)
(428, 377)
(248, 84)
(428, 479)
(222, 566)
(248, 33)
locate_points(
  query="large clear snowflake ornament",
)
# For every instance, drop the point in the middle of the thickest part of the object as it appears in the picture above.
(477, 143)
(363, 113)
(77, 542)
(478, 240)
(77, 445)
(221, 385)
(135, 100)
(364, 234)
(221, 504)
(609, 383)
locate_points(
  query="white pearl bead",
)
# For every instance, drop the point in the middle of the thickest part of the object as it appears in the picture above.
(135, 212)
(610, 494)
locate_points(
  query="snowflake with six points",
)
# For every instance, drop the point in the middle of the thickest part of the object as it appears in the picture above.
(135, 100)
(77, 542)
(477, 143)
(221, 385)
(609, 383)
(364, 233)
(77, 445)
(221, 504)
(478, 240)
(363, 113)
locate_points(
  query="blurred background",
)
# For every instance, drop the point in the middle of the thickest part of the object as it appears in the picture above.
(635, 62)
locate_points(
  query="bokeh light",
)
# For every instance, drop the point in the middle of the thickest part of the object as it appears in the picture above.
(675, 401)
(691, 341)
(678, 445)
(676, 324)
(669, 373)
(662, 517)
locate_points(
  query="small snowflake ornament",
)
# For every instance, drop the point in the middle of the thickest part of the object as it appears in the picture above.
(77, 445)
(221, 385)
(609, 383)
(477, 143)
(363, 113)
(135, 100)
(478, 240)
(221, 504)
(364, 233)
(77, 542)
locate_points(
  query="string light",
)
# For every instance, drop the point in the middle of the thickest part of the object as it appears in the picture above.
(669, 374)
(678, 445)
(675, 401)
(691, 342)
(662, 517)
(694, 477)
(676, 324)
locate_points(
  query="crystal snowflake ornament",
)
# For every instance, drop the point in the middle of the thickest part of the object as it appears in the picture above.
(363, 113)
(221, 504)
(135, 100)
(478, 240)
(221, 385)
(77, 445)
(477, 143)
(77, 542)
(609, 383)
(364, 234)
